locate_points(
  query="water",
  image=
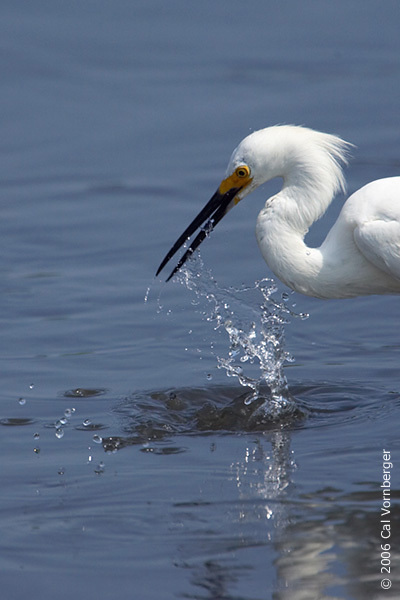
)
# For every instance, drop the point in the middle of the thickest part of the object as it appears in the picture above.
(131, 463)
(254, 321)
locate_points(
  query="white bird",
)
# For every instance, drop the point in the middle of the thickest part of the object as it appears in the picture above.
(361, 253)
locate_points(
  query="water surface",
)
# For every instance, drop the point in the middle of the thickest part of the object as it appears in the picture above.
(117, 124)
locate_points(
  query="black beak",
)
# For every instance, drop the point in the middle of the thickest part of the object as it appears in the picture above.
(211, 214)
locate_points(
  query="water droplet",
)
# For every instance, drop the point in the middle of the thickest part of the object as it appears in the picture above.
(61, 471)
(31, 386)
(97, 439)
(209, 376)
(249, 399)
(68, 413)
(21, 401)
(36, 450)
(36, 436)
(59, 432)
(87, 422)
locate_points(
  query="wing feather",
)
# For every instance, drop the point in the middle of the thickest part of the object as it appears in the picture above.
(379, 242)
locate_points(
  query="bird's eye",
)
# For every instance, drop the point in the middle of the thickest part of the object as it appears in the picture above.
(242, 171)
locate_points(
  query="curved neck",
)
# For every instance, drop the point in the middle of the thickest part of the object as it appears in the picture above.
(304, 198)
(284, 250)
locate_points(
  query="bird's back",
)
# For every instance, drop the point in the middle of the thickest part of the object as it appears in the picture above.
(366, 237)
(379, 199)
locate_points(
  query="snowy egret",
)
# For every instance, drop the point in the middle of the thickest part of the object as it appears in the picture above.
(361, 253)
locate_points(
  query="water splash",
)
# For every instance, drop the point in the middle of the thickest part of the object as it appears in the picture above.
(254, 321)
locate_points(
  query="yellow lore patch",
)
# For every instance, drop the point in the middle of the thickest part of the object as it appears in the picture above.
(240, 178)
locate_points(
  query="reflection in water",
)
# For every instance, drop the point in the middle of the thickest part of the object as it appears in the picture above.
(253, 522)
(311, 540)
(326, 544)
(269, 472)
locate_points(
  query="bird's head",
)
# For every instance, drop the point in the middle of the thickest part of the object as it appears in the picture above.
(241, 178)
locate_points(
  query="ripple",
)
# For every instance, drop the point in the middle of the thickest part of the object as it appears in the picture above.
(16, 422)
(158, 416)
(152, 419)
(84, 392)
(164, 450)
(89, 426)
(330, 404)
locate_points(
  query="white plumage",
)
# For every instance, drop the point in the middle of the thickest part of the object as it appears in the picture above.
(361, 253)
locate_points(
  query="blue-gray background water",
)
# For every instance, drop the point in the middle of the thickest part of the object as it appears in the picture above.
(117, 122)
